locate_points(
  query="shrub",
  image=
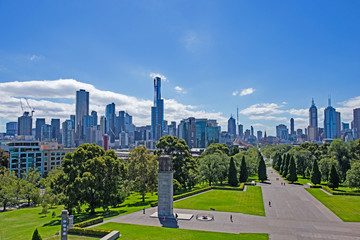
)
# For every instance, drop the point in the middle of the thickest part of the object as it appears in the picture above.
(36, 235)
(89, 222)
(88, 231)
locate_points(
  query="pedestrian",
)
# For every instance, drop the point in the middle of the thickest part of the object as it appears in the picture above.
(164, 219)
(269, 204)
(176, 216)
(231, 218)
(143, 210)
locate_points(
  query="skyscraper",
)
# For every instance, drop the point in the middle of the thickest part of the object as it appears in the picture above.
(25, 124)
(356, 122)
(338, 125)
(292, 127)
(241, 130)
(232, 126)
(11, 128)
(38, 124)
(55, 128)
(110, 121)
(82, 109)
(157, 112)
(68, 133)
(313, 133)
(330, 126)
(282, 132)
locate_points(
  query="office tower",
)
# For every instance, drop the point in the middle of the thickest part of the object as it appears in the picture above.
(94, 118)
(247, 133)
(106, 142)
(313, 123)
(172, 129)
(356, 123)
(90, 127)
(157, 112)
(241, 130)
(232, 127)
(338, 125)
(103, 125)
(345, 126)
(11, 128)
(330, 126)
(110, 121)
(82, 109)
(38, 124)
(282, 132)
(252, 130)
(46, 133)
(68, 134)
(299, 132)
(55, 126)
(72, 119)
(211, 132)
(292, 126)
(25, 125)
(121, 121)
(259, 135)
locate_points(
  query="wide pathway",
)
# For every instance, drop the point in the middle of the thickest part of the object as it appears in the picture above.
(294, 214)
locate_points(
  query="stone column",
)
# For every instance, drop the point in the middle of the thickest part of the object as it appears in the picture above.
(165, 186)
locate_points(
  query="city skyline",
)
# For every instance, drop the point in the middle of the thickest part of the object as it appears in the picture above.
(270, 59)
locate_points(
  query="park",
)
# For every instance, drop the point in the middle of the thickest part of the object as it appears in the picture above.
(276, 208)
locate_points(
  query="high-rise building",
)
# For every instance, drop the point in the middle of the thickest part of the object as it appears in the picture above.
(292, 126)
(68, 134)
(103, 125)
(282, 132)
(252, 131)
(82, 109)
(172, 129)
(259, 135)
(25, 125)
(232, 126)
(312, 130)
(157, 112)
(110, 121)
(38, 124)
(241, 130)
(356, 122)
(55, 128)
(330, 126)
(46, 133)
(338, 125)
(11, 128)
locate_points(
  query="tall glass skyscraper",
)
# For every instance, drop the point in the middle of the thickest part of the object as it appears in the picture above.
(356, 123)
(82, 109)
(313, 133)
(157, 112)
(110, 121)
(330, 122)
(232, 127)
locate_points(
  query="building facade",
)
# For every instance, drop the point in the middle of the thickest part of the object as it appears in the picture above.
(157, 112)
(82, 109)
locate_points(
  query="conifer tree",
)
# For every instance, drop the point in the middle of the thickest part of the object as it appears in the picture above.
(286, 165)
(292, 176)
(333, 178)
(36, 235)
(243, 171)
(232, 177)
(283, 160)
(315, 173)
(262, 169)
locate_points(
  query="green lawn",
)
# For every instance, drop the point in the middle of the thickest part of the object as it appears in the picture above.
(248, 202)
(345, 207)
(137, 232)
(21, 223)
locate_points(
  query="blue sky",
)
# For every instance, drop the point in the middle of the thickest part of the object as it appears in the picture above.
(209, 51)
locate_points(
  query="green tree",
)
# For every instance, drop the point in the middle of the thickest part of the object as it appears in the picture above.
(315, 173)
(142, 170)
(7, 188)
(92, 176)
(243, 171)
(4, 158)
(45, 208)
(286, 165)
(262, 176)
(353, 176)
(232, 176)
(333, 178)
(340, 151)
(216, 148)
(283, 164)
(234, 150)
(292, 176)
(36, 235)
(210, 168)
(303, 161)
(325, 166)
(277, 161)
(183, 162)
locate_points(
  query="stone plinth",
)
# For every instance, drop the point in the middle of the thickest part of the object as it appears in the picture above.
(165, 186)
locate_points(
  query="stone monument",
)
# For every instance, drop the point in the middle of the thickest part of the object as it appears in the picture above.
(64, 224)
(165, 186)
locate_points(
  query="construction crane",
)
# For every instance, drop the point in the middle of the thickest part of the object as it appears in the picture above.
(22, 108)
(31, 108)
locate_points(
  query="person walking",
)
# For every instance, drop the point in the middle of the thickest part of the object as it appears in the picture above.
(143, 210)
(231, 220)
(269, 204)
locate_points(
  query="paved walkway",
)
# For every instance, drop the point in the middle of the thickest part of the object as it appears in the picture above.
(294, 214)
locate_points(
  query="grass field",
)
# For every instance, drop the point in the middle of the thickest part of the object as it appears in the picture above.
(248, 202)
(345, 207)
(21, 223)
(137, 232)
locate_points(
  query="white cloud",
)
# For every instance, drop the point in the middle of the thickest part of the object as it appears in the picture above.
(352, 102)
(195, 41)
(299, 112)
(163, 78)
(247, 91)
(235, 93)
(179, 90)
(264, 111)
(34, 57)
(56, 99)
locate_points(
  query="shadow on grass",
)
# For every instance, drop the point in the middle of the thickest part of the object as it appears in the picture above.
(52, 223)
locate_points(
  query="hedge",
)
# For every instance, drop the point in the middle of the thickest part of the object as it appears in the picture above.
(188, 194)
(329, 190)
(89, 222)
(88, 231)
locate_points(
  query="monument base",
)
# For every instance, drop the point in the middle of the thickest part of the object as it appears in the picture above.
(180, 216)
